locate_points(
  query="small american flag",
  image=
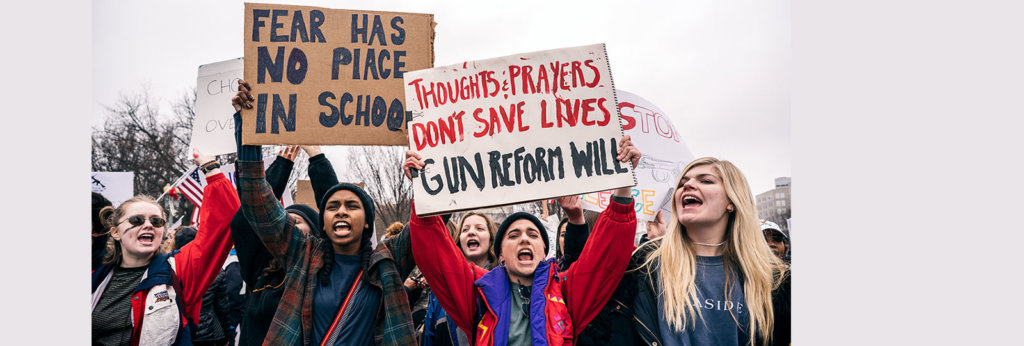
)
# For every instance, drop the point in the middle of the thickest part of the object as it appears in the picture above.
(192, 188)
(192, 184)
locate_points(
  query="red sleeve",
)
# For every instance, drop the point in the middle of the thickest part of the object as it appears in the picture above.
(450, 276)
(199, 262)
(592, 279)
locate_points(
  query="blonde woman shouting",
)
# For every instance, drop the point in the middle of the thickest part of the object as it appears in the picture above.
(711, 277)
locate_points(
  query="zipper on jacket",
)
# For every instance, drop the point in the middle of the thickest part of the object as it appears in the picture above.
(647, 329)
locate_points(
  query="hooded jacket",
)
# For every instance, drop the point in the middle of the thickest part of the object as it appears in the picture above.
(303, 256)
(166, 303)
(480, 301)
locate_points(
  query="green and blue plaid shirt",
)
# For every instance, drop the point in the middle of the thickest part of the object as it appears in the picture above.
(302, 255)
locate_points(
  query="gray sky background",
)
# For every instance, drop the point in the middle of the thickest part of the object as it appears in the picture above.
(719, 69)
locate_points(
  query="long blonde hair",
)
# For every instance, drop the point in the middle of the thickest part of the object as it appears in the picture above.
(744, 248)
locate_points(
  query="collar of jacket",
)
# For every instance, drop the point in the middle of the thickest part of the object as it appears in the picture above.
(378, 257)
(158, 272)
(497, 291)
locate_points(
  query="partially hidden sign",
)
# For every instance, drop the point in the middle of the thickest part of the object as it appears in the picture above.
(213, 130)
(326, 76)
(514, 129)
(665, 154)
(115, 186)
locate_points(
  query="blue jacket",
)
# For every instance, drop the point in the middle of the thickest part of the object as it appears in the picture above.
(159, 273)
(435, 313)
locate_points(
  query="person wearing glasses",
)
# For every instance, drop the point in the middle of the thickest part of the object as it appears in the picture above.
(525, 300)
(142, 297)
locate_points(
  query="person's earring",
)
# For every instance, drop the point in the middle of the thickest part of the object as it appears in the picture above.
(730, 208)
(501, 262)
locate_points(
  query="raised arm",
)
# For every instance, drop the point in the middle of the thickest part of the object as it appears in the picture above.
(199, 262)
(265, 214)
(576, 230)
(592, 279)
(450, 276)
(281, 169)
(322, 176)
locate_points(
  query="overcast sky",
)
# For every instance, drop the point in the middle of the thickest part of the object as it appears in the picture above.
(720, 69)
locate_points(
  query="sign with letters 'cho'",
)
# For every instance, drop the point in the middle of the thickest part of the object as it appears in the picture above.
(515, 129)
(326, 76)
(213, 130)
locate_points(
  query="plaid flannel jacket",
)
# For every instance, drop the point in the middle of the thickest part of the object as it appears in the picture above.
(389, 264)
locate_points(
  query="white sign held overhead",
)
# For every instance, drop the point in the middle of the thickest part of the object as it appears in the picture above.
(665, 154)
(213, 130)
(514, 129)
(115, 186)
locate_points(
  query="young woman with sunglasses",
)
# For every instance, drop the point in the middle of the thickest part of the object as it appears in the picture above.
(141, 297)
(525, 300)
(711, 279)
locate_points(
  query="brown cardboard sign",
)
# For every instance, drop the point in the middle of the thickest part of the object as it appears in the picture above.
(328, 76)
(304, 193)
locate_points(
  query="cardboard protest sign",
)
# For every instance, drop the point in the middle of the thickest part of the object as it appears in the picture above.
(326, 76)
(213, 130)
(304, 193)
(115, 186)
(515, 129)
(665, 154)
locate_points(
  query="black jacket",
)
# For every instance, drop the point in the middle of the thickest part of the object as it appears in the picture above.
(645, 305)
(614, 325)
(222, 308)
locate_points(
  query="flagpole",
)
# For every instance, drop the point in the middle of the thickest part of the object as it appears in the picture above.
(175, 183)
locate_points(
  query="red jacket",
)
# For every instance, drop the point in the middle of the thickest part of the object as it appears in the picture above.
(558, 302)
(180, 279)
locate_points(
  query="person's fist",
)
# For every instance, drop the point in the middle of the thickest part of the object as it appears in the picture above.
(199, 158)
(413, 160)
(243, 99)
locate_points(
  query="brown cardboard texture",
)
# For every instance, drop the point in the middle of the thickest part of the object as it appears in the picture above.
(304, 193)
(329, 76)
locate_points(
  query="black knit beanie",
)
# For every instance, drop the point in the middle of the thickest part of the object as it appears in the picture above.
(368, 205)
(307, 213)
(184, 236)
(324, 275)
(508, 222)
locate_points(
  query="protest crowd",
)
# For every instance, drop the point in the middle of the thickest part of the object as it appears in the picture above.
(253, 270)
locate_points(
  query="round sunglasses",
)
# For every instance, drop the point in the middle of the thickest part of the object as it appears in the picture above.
(138, 220)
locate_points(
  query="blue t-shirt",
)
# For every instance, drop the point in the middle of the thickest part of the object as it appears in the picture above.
(717, 326)
(357, 323)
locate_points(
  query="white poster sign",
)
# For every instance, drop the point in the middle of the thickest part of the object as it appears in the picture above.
(665, 154)
(515, 129)
(213, 130)
(115, 186)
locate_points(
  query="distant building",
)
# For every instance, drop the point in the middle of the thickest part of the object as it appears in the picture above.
(774, 205)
